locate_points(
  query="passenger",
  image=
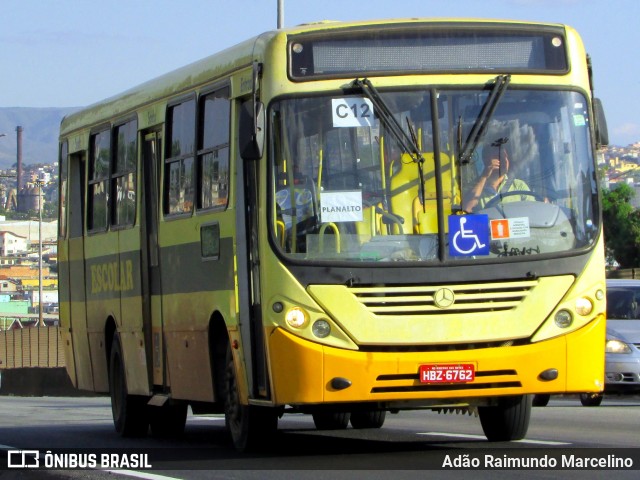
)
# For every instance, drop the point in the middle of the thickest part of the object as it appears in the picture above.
(495, 180)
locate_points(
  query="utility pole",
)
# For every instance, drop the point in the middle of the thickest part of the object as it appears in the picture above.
(40, 183)
(280, 14)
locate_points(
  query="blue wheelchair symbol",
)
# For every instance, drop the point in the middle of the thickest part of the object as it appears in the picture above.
(468, 235)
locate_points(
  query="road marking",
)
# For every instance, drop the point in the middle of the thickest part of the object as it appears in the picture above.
(146, 476)
(482, 437)
(542, 442)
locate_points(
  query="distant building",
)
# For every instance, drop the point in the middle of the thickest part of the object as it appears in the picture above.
(40, 175)
(22, 271)
(8, 286)
(10, 260)
(20, 307)
(29, 229)
(49, 299)
(10, 243)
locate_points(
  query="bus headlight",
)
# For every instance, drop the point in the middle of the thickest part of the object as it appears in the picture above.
(563, 318)
(296, 317)
(584, 306)
(321, 328)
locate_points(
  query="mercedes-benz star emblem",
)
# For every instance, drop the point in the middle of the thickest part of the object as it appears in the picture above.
(444, 298)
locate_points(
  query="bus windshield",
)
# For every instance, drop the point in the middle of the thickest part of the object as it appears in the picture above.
(520, 175)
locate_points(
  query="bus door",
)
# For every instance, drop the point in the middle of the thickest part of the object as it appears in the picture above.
(77, 284)
(150, 257)
(251, 327)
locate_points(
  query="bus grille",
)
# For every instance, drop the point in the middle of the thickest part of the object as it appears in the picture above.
(460, 298)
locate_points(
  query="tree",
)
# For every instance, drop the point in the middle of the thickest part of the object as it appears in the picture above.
(621, 226)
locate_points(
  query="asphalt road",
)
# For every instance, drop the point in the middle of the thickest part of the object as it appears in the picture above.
(409, 444)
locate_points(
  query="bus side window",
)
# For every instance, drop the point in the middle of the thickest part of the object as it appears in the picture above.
(178, 176)
(62, 190)
(123, 184)
(100, 157)
(213, 149)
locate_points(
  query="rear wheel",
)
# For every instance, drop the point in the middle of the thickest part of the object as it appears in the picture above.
(591, 399)
(508, 420)
(541, 400)
(248, 425)
(168, 420)
(371, 419)
(331, 420)
(130, 416)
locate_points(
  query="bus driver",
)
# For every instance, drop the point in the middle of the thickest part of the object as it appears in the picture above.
(495, 179)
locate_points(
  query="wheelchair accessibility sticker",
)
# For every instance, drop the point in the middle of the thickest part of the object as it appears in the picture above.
(468, 235)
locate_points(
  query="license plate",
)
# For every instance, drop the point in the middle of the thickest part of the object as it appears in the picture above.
(449, 373)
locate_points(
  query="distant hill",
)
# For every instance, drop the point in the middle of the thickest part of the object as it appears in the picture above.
(40, 127)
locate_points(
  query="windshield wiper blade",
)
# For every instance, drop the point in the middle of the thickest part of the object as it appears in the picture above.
(387, 117)
(482, 122)
(408, 143)
(420, 163)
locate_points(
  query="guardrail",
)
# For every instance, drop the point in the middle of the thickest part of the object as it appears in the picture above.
(31, 347)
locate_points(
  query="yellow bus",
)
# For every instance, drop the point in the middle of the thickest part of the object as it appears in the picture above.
(343, 220)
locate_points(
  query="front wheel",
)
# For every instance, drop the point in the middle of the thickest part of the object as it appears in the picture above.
(130, 415)
(248, 425)
(508, 420)
(331, 420)
(591, 399)
(371, 419)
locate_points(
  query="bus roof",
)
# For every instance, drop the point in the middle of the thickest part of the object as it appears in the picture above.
(208, 69)
(170, 84)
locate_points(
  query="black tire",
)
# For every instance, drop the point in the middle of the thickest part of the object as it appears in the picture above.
(168, 421)
(541, 400)
(509, 420)
(331, 420)
(250, 426)
(591, 399)
(371, 419)
(130, 416)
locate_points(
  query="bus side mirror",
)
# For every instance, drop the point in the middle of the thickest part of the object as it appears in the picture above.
(251, 131)
(602, 132)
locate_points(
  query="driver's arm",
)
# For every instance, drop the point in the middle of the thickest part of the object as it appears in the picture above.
(475, 193)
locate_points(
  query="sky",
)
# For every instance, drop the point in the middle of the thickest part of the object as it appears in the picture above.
(71, 53)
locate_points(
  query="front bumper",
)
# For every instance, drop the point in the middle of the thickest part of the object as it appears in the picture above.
(302, 371)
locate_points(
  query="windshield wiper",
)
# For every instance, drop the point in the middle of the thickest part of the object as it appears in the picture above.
(408, 143)
(482, 122)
